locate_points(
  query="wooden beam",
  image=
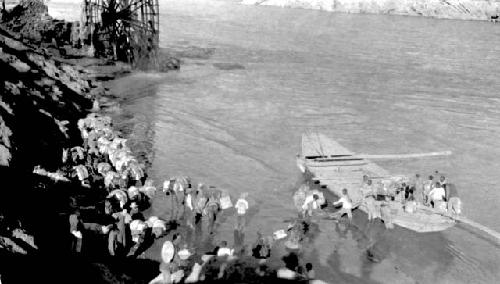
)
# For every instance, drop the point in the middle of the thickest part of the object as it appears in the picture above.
(403, 156)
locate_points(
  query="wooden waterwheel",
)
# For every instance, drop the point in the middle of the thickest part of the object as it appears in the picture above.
(122, 28)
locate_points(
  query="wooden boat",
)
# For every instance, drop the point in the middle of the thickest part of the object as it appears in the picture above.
(336, 168)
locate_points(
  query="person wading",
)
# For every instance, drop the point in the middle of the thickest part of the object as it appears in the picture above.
(369, 200)
(346, 202)
(241, 210)
(211, 210)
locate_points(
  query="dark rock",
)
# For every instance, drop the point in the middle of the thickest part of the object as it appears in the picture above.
(169, 63)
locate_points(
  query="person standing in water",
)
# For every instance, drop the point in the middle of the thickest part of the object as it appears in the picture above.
(346, 202)
(241, 210)
(369, 199)
(211, 209)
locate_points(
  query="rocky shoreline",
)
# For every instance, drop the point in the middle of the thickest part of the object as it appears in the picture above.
(441, 9)
(47, 87)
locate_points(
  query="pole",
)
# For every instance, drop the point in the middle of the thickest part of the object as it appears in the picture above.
(403, 156)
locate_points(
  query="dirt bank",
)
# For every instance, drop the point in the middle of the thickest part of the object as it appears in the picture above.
(443, 9)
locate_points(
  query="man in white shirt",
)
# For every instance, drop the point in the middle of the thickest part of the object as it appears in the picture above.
(241, 210)
(346, 202)
(310, 204)
(437, 194)
(224, 250)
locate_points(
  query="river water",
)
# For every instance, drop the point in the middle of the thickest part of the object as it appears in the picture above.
(255, 78)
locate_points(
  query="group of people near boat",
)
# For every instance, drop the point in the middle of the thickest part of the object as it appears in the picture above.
(436, 193)
(380, 198)
(105, 162)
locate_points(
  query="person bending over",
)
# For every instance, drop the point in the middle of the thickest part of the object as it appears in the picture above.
(346, 203)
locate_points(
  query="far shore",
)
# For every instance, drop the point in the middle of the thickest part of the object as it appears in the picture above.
(440, 9)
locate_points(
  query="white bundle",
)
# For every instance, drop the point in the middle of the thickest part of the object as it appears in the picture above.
(103, 168)
(136, 171)
(81, 172)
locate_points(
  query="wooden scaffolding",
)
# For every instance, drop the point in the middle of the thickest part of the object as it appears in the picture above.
(121, 24)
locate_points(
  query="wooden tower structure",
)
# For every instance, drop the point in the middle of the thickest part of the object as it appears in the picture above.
(121, 27)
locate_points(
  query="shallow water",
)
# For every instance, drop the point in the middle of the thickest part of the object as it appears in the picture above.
(255, 78)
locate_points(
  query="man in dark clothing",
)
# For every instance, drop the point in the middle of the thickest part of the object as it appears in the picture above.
(454, 205)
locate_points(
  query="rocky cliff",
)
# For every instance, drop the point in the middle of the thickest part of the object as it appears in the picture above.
(444, 9)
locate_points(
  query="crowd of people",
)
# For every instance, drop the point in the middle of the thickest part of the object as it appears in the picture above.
(104, 162)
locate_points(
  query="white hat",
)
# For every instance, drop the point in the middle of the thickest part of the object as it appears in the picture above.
(184, 254)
